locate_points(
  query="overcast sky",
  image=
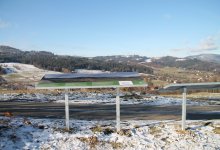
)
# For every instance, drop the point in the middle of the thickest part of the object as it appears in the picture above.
(112, 27)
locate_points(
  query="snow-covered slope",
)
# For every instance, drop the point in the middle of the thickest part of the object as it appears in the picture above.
(23, 72)
(18, 67)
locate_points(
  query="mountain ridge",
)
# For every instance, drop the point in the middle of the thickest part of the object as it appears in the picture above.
(61, 63)
(207, 57)
(143, 64)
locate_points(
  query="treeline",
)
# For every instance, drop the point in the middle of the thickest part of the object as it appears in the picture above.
(191, 64)
(47, 60)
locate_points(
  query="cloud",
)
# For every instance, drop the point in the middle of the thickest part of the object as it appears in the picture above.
(208, 44)
(4, 24)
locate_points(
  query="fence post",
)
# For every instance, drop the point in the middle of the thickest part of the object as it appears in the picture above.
(184, 109)
(118, 109)
(67, 109)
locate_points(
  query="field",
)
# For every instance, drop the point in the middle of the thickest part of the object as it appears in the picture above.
(166, 75)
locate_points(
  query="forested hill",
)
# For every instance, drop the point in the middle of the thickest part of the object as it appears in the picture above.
(186, 63)
(50, 61)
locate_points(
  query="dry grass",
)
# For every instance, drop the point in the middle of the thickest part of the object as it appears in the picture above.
(216, 130)
(13, 76)
(155, 130)
(8, 114)
(182, 132)
(186, 132)
(105, 130)
(194, 95)
(96, 129)
(125, 132)
(59, 129)
(92, 141)
(116, 145)
(108, 131)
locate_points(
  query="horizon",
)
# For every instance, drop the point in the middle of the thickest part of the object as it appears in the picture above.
(96, 28)
(109, 55)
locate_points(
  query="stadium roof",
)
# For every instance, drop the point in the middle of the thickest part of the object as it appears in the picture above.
(192, 86)
(96, 80)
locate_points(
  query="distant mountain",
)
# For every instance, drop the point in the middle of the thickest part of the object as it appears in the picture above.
(123, 58)
(207, 57)
(8, 50)
(167, 61)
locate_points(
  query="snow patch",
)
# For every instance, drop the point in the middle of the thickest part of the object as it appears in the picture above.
(180, 59)
(99, 98)
(18, 67)
(28, 133)
(88, 71)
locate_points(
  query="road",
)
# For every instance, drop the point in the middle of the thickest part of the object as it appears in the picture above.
(107, 112)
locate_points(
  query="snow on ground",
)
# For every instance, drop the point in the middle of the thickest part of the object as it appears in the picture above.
(24, 72)
(28, 133)
(101, 98)
(89, 71)
(18, 67)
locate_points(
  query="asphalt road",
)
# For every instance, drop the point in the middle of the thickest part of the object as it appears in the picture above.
(107, 112)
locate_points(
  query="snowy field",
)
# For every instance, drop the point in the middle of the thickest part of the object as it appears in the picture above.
(27, 133)
(101, 98)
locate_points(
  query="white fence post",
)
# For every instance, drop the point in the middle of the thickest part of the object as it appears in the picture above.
(184, 110)
(118, 109)
(67, 109)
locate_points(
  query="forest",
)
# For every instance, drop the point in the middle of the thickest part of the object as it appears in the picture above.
(50, 61)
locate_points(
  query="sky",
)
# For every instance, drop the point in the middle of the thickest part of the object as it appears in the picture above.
(89, 28)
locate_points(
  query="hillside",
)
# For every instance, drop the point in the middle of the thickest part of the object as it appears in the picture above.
(168, 61)
(161, 71)
(8, 50)
(186, 63)
(207, 57)
(50, 61)
(20, 76)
